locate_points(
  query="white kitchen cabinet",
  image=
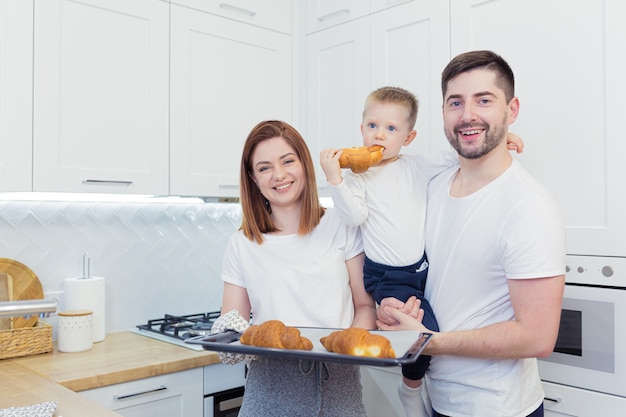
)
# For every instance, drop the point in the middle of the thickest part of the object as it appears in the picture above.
(569, 61)
(380, 391)
(337, 82)
(101, 96)
(401, 45)
(16, 72)
(178, 394)
(322, 14)
(408, 49)
(565, 401)
(270, 14)
(226, 76)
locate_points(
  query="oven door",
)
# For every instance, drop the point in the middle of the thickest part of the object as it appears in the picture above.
(224, 404)
(590, 352)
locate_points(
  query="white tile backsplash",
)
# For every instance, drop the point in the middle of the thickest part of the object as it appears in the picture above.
(156, 258)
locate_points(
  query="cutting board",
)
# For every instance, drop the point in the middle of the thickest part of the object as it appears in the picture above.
(26, 286)
(6, 294)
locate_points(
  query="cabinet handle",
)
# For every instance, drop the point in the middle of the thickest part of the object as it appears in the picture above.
(236, 9)
(334, 15)
(123, 397)
(114, 182)
(554, 400)
(229, 186)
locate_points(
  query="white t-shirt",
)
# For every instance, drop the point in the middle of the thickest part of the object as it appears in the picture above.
(389, 203)
(300, 280)
(510, 229)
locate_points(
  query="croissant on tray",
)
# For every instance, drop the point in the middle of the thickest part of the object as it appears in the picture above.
(358, 342)
(274, 334)
(360, 159)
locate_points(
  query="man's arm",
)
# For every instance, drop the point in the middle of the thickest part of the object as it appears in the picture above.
(533, 332)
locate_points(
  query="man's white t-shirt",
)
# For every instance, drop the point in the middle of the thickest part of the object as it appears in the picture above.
(509, 229)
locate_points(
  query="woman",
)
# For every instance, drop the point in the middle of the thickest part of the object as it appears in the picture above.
(294, 261)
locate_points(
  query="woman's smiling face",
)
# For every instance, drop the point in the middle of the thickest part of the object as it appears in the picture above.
(278, 172)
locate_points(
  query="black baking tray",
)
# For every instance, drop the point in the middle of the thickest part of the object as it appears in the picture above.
(408, 343)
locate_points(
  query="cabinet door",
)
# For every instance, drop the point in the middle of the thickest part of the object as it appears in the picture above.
(16, 80)
(337, 82)
(270, 14)
(225, 78)
(409, 45)
(567, 58)
(101, 96)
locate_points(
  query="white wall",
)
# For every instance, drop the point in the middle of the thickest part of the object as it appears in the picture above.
(156, 258)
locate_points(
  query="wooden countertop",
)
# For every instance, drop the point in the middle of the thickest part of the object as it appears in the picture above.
(120, 357)
(26, 388)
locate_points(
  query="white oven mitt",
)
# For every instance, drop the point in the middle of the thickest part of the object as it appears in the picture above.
(232, 321)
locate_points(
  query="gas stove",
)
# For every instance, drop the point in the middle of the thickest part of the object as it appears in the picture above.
(175, 329)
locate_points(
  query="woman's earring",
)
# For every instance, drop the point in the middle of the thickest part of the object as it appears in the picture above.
(267, 205)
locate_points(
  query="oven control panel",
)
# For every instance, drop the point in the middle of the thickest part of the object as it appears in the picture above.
(596, 270)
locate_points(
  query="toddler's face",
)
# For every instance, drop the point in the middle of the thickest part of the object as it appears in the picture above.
(386, 124)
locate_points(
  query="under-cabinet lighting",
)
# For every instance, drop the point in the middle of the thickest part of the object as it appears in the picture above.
(93, 197)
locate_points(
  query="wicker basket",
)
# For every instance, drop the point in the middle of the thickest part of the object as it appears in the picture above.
(26, 341)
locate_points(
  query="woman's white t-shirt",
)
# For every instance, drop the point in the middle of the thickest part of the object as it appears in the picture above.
(300, 280)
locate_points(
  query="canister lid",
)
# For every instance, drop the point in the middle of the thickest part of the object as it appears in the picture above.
(74, 313)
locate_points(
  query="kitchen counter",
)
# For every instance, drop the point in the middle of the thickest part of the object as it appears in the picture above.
(121, 357)
(22, 387)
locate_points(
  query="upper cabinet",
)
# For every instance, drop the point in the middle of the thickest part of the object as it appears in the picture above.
(401, 44)
(408, 49)
(569, 63)
(226, 76)
(101, 96)
(16, 81)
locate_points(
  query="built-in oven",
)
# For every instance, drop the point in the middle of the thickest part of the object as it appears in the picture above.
(220, 399)
(587, 370)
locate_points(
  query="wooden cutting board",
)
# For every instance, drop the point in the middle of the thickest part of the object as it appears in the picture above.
(26, 286)
(6, 294)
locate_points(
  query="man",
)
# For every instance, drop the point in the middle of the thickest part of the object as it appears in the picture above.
(496, 244)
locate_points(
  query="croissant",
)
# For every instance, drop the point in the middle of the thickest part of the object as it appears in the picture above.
(274, 334)
(358, 342)
(359, 159)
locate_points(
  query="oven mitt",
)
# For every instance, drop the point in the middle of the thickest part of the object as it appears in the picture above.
(232, 321)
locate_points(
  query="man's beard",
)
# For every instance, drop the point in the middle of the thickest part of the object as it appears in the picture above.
(492, 139)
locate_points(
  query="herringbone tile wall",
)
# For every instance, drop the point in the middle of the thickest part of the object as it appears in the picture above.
(156, 258)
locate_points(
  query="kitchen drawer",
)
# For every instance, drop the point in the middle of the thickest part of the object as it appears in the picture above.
(269, 14)
(167, 395)
(564, 401)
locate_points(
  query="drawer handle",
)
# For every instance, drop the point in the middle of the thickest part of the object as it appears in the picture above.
(115, 182)
(123, 397)
(554, 400)
(236, 9)
(334, 15)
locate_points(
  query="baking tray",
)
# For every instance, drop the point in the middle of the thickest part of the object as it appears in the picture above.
(409, 343)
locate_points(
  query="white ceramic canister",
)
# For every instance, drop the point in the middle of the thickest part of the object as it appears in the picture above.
(75, 330)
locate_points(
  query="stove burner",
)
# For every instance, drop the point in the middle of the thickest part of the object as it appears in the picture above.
(182, 327)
